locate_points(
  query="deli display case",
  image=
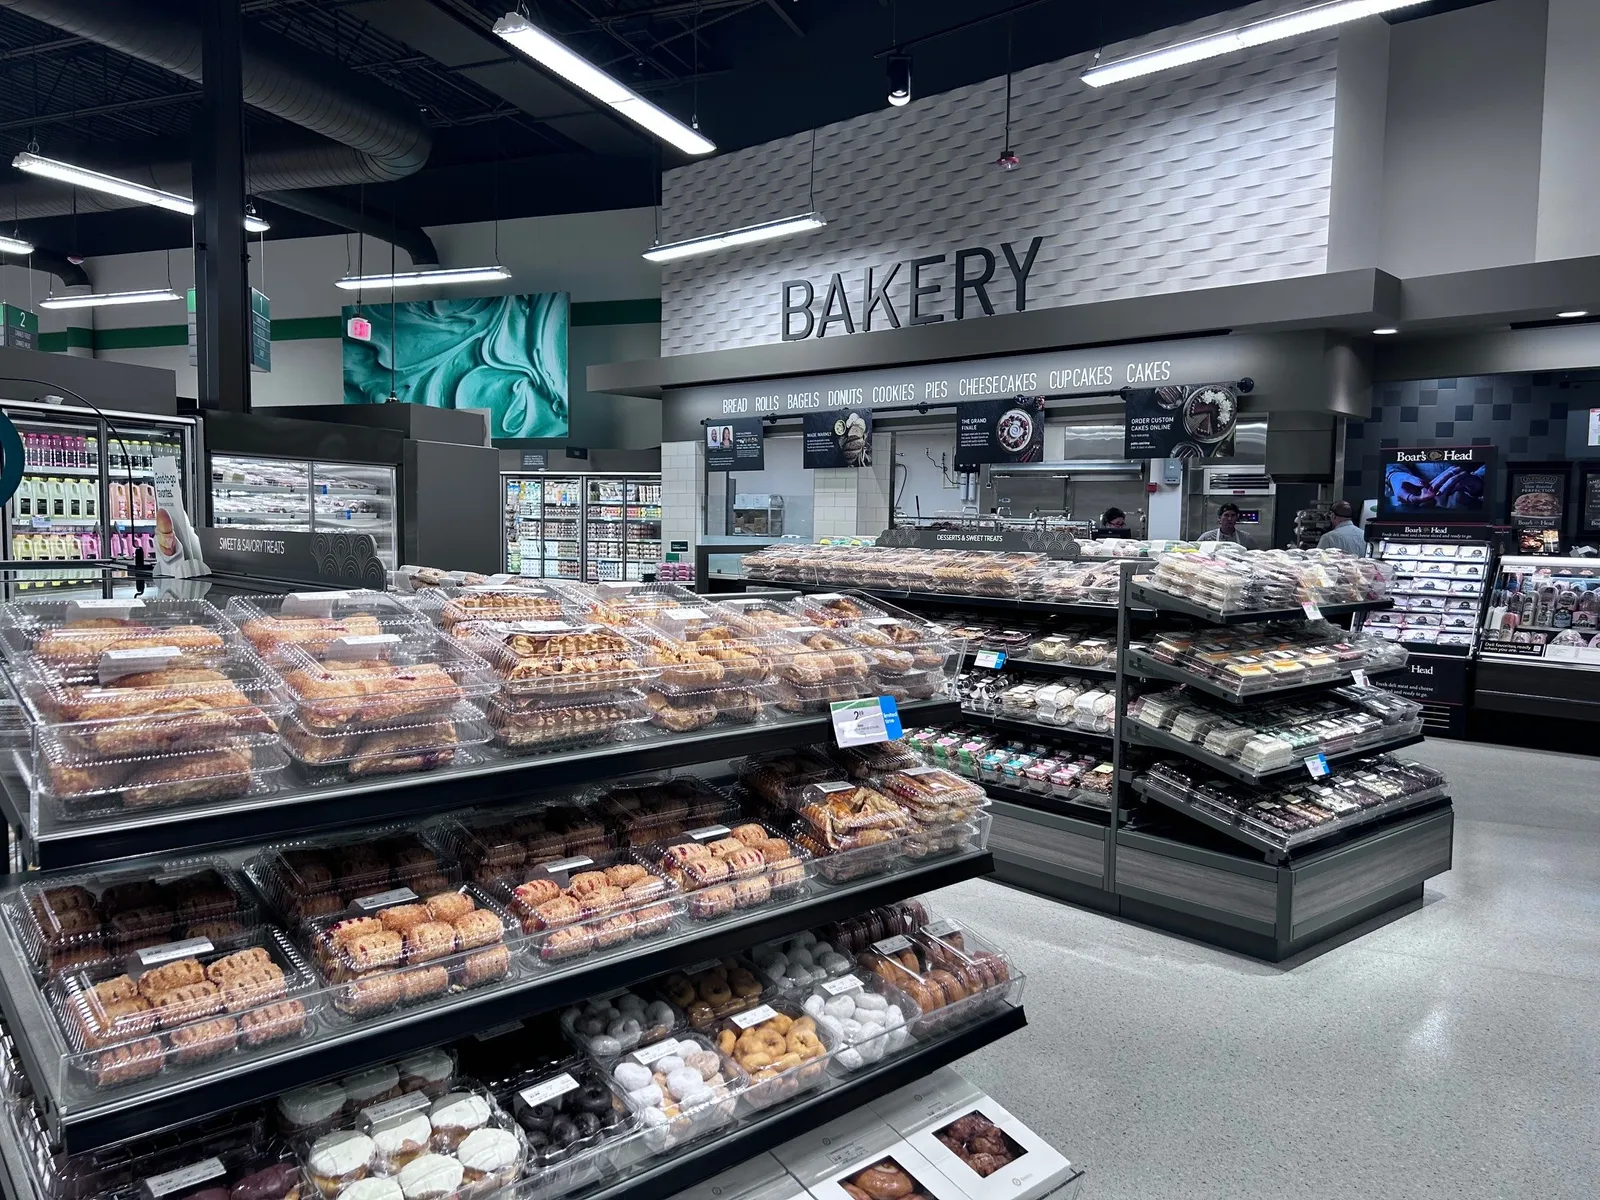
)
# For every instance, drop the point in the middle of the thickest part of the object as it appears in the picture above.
(1539, 649)
(285, 495)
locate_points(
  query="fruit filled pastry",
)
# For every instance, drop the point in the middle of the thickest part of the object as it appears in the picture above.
(312, 634)
(344, 694)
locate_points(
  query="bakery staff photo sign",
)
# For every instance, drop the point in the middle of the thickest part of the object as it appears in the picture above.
(735, 445)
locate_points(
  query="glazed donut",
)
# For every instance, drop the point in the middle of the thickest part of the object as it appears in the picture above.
(805, 1024)
(744, 983)
(805, 1044)
(715, 991)
(781, 1024)
(885, 1181)
(726, 1041)
(701, 1015)
(949, 984)
(755, 1060)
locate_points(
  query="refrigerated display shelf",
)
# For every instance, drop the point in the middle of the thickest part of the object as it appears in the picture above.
(1008, 604)
(770, 1128)
(1158, 739)
(1071, 806)
(1149, 668)
(186, 1095)
(1032, 728)
(398, 797)
(1040, 667)
(1167, 603)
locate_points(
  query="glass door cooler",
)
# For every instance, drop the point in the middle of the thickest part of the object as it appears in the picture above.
(643, 545)
(562, 507)
(283, 495)
(603, 522)
(1539, 653)
(521, 525)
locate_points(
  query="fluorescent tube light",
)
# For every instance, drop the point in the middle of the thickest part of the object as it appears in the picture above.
(1386, 331)
(1305, 20)
(712, 242)
(105, 299)
(353, 283)
(11, 245)
(112, 185)
(582, 74)
(1572, 314)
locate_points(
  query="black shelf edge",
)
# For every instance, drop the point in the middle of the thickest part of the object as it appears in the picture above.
(1158, 739)
(1009, 604)
(1080, 809)
(1041, 668)
(759, 1134)
(359, 1046)
(1165, 602)
(1138, 664)
(1034, 728)
(399, 797)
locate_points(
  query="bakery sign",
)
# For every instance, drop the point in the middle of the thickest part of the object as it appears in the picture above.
(918, 291)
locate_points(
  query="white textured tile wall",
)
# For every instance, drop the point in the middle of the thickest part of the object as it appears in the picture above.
(1216, 174)
(682, 492)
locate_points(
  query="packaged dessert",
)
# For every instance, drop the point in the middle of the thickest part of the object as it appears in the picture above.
(578, 1127)
(240, 1162)
(402, 947)
(626, 605)
(703, 645)
(543, 725)
(713, 990)
(309, 1112)
(820, 659)
(761, 616)
(322, 877)
(459, 610)
(863, 1024)
(781, 778)
(61, 633)
(799, 963)
(866, 763)
(656, 808)
(578, 906)
(779, 1049)
(381, 684)
(72, 921)
(942, 972)
(411, 744)
(684, 710)
(496, 843)
(315, 622)
(721, 868)
(180, 1004)
(607, 1027)
(563, 658)
(459, 1146)
(680, 1088)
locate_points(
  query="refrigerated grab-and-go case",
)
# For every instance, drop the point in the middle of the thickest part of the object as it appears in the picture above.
(1539, 652)
(303, 496)
(599, 528)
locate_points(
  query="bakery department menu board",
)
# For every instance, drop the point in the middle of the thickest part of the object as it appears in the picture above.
(1179, 421)
(1000, 431)
(1544, 609)
(1591, 503)
(838, 437)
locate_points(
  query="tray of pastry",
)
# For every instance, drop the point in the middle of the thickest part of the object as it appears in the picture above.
(680, 1089)
(541, 725)
(71, 920)
(238, 1160)
(409, 745)
(312, 1111)
(321, 877)
(641, 811)
(760, 615)
(943, 973)
(574, 907)
(721, 869)
(579, 1128)
(713, 990)
(684, 710)
(403, 947)
(607, 1027)
(410, 1147)
(181, 1004)
(316, 621)
(781, 778)
(838, 610)
(779, 1050)
(78, 632)
(857, 829)
(699, 647)
(563, 658)
(458, 610)
(496, 842)
(623, 605)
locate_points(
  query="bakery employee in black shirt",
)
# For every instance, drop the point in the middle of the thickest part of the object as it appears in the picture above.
(1227, 529)
(1114, 524)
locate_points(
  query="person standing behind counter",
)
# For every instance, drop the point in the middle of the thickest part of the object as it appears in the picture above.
(1114, 524)
(1227, 528)
(1345, 535)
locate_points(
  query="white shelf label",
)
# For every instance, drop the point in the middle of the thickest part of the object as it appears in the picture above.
(1317, 765)
(893, 945)
(154, 956)
(1359, 676)
(77, 609)
(399, 1106)
(1309, 607)
(943, 927)
(372, 903)
(114, 664)
(707, 832)
(362, 645)
(310, 604)
(838, 987)
(866, 722)
(754, 1016)
(543, 1093)
(684, 614)
(184, 1178)
(993, 659)
(650, 1053)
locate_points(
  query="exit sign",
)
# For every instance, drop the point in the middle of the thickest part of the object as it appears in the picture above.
(360, 329)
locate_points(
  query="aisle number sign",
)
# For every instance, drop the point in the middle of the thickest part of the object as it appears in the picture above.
(863, 722)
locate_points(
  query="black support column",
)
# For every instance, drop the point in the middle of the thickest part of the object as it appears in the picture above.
(222, 292)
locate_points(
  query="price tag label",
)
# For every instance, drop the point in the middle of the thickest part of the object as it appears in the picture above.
(538, 626)
(78, 609)
(1317, 765)
(943, 927)
(752, 1017)
(154, 956)
(993, 659)
(372, 903)
(893, 945)
(114, 664)
(362, 645)
(1360, 678)
(850, 1152)
(838, 987)
(650, 1053)
(1309, 607)
(543, 1093)
(399, 1106)
(184, 1178)
(497, 1031)
(1208, 548)
(707, 832)
(568, 865)
(684, 614)
(865, 722)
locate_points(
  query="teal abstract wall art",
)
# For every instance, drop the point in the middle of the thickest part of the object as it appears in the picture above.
(506, 354)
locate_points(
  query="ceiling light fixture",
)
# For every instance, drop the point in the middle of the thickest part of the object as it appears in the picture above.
(1385, 331)
(438, 275)
(899, 79)
(1305, 20)
(1571, 314)
(112, 185)
(766, 231)
(106, 299)
(582, 74)
(11, 245)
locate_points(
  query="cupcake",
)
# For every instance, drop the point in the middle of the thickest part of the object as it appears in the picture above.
(490, 1154)
(338, 1160)
(311, 1111)
(429, 1072)
(373, 1189)
(456, 1115)
(401, 1140)
(371, 1087)
(431, 1177)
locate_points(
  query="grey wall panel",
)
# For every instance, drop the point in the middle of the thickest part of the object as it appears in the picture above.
(1032, 843)
(1367, 872)
(1161, 877)
(452, 506)
(1217, 174)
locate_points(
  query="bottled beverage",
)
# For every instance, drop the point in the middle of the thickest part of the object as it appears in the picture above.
(91, 499)
(119, 500)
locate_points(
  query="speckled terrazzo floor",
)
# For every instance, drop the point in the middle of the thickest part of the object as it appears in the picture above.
(1453, 1052)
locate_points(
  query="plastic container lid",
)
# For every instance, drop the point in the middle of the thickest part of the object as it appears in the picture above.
(60, 632)
(312, 621)
(359, 684)
(562, 658)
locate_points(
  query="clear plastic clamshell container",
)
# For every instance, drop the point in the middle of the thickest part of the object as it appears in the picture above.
(836, 610)
(852, 830)
(460, 1146)
(315, 621)
(319, 878)
(942, 972)
(672, 1107)
(68, 921)
(780, 780)
(642, 811)
(761, 616)
(410, 744)
(722, 869)
(579, 1128)
(780, 1050)
(543, 725)
(229, 1155)
(381, 682)
(563, 658)
(78, 632)
(626, 605)
(709, 992)
(182, 1004)
(402, 947)
(607, 1027)
(460, 610)
(497, 844)
(864, 1022)
(125, 735)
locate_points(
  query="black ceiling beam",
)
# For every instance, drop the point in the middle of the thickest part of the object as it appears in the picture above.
(410, 238)
(104, 110)
(783, 15)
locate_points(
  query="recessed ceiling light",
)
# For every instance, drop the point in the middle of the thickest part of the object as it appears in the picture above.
(1385, 332)
(1573, 314)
